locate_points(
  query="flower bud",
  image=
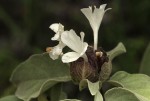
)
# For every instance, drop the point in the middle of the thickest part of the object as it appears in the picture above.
(93, 68)
(82, 69)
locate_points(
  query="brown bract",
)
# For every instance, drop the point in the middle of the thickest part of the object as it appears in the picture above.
(91, 69)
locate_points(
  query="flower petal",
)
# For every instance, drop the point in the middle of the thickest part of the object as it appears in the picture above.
(70, 57)
(56, 51)
(53, 56)
(58, 29)
(54, 27)
(73, 41)
(96, 16)
(56, 37)
(102, 6)
(82, 36)
(84, 48)
(88, 14)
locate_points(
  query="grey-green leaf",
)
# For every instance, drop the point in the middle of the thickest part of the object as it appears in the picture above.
(42, 97)
(138, 84)
(145, 64)
(120, 94)
(105, 71)
(10, 98)
(93, 87)
(57, 93)
(70, 100)
(98, 97)
(119, 49)
(37, 74)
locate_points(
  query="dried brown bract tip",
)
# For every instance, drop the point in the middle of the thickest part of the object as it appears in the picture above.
(48, 49)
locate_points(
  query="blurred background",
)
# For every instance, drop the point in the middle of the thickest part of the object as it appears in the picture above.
(24, 30)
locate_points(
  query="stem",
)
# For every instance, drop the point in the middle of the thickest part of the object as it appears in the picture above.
(95, 39)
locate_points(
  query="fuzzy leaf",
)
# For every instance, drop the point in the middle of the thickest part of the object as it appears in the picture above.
(120, 94)
(145, 64)
(42, 97)
(70, 100)
(10, 98)
(37, 74)
(138, 84)
(98, 97)
(93, 87)
(57, 93)
(119, 49)
(105, 71)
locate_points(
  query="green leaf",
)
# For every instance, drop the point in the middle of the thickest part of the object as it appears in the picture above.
(98, 97)
(105, 71)
(10, 98)
(120, 94)
(57, 93)
(138, 84)
(42, 97)
(119, 49)
(38, 74)
(145, 64)
(93, 87)
(70, 100)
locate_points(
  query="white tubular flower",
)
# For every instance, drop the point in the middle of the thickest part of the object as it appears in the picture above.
(95, 17)
(58, 28)
(56, 51)
(74, 42)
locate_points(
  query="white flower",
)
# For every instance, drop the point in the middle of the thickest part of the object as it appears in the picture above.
(58, 28)
(56, 51)
(74, 42)
(95, 17)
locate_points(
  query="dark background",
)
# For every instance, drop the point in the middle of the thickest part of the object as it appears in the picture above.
(24, 30)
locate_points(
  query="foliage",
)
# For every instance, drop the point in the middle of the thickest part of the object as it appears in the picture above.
(40, 73)
(136, 85)
(145, 64)
(10, 98)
